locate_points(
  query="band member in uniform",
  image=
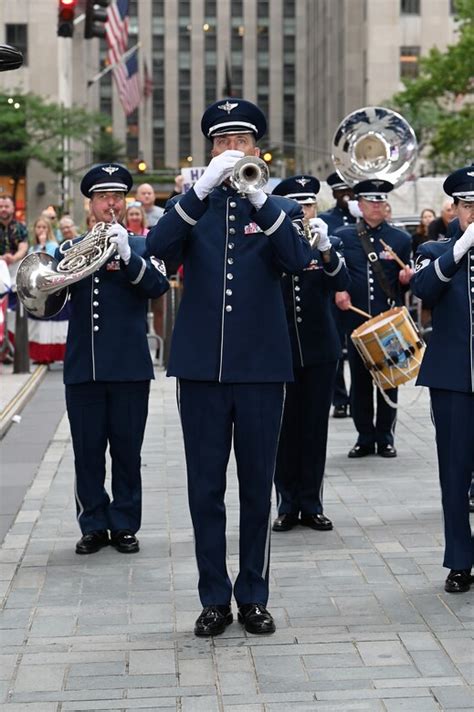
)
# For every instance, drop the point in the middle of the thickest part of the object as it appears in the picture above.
(377, 284)
(231, 354)
(444, 280)
(107, 369)
(337, 217)
(316, 348)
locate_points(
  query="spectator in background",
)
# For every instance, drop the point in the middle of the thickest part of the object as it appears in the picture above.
(51, 214)
(13, 240)
(421, 234)
(438, 227)
(135, 219)
(146, 195)
(44, 239)
(68, 228)
(90, 221)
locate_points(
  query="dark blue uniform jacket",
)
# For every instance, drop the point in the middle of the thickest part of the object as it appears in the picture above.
(336, 218)
(308, 298)
(231, 325)
(365, 291)
(448, 289)
(107, 335)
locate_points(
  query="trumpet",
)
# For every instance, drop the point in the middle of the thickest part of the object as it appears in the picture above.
(313, 239)
(249, 175)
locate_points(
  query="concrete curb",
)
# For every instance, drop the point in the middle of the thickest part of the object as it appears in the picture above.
(21, 398)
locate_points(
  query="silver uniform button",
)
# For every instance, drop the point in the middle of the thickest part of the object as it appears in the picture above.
(228, 292)
(96, 291)
(96, 328)
(233, 204)
(297, 289)
(372, 297)
(297, 279)
(231, 231)
(96, 316)
(228, 308)
(299, 319)
(230, 261)
(96, 280)
(298, 309)
(231, 244)
(95, 304)
(371, 280)
(232, 218)
(230, 275)
(298, 299)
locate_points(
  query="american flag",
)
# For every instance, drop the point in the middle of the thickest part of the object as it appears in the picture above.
(126, 75)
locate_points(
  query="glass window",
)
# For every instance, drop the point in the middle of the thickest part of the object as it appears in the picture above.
(410, 7)
(262, 8)
(210, 8)
(158, 7)
(236, 8)
(17, 36)
(184, 8)
(409, 61)
(289, 8)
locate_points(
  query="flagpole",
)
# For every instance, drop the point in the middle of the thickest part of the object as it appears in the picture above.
(109, 68)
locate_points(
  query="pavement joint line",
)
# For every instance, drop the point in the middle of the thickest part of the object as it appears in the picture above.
(21, 398)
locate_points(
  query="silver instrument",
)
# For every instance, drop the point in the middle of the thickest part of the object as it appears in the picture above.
(249, 175)
(42, 282)
(374, 143)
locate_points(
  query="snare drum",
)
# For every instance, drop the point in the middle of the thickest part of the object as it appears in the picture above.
(390, 346)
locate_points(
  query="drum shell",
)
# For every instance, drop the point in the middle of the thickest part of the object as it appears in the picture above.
(390, 347)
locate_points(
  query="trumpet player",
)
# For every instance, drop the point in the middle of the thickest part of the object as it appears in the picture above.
(108, 368)
(231, 355)
(316, 349)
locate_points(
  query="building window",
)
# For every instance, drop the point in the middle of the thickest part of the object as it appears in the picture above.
(17, 36)
(409, 62)
(410, 7)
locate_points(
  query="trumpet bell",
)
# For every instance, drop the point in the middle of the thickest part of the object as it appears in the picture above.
(32, 269)
(376, 143)
(250, 174)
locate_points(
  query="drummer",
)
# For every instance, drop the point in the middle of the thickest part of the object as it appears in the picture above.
(377, 284)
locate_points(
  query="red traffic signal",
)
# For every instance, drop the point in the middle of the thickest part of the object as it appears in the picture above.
(66, 10)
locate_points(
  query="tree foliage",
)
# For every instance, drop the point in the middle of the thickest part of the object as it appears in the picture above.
(439, 103)
(32, 128)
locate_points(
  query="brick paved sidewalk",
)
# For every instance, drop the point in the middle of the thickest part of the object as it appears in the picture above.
(363, 622)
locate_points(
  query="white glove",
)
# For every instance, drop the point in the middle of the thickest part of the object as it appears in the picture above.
(353, 206)
(217, 171)
(320, 228)
(258, 199)
(464, 244)
(118, 235)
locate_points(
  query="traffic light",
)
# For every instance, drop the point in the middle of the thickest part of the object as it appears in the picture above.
(96, 17)
(66, 10)
(141, 166)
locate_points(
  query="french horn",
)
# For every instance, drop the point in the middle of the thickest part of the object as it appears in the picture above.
(374, 143)
(42, 282)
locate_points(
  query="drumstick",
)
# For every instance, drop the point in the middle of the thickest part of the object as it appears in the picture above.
(394, 254)
(359, 311)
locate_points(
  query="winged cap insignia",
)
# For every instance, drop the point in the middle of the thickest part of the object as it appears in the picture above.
(110, 169)
(227, 106)
(302, 181)
(377, 183)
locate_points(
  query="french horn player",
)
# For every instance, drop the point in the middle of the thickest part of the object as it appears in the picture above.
(108, 367)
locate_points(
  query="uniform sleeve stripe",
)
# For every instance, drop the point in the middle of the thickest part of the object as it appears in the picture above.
(276, 224)
(184, 216)
(333, 274)
(439, 274)
(141, 273)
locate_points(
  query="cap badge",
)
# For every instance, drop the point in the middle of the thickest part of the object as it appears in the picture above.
(110, 169)
(227, 106)
(302, 181)
(377, 183)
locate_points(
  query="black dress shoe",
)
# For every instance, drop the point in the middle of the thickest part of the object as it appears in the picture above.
(256, 619)
(285, 522)
(90, 542)
(316, 521)
(124, 541)
(458, 581)
(361, 450)
(213, 621)
(340, 411)
(386, 451)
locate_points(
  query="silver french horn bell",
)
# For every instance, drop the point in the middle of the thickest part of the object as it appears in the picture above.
(42, 282)
(250, 174)
(374, 143)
